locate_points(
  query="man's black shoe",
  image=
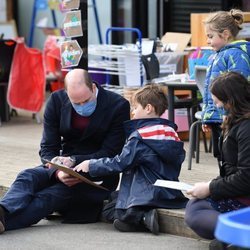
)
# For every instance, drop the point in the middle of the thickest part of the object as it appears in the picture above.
(151, 221)
(2, 222)
(124, 227)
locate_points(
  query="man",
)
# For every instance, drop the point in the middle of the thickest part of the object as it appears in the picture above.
(82, 122)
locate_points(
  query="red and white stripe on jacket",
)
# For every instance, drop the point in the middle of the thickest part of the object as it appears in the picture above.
(158, 132)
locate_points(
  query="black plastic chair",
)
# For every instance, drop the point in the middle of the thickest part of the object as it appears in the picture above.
(195, 128)
(151, 65)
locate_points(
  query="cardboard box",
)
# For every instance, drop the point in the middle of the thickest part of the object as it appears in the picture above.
(176, 42)
(198, 30)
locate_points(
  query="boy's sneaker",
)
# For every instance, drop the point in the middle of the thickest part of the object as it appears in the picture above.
(2, 223)
(151, 221)
(123, 226)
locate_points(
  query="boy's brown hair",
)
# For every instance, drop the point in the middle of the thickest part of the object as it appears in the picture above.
(151, 94)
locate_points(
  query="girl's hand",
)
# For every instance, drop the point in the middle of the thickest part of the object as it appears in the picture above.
(84, 167)
(206, 128)
(200, 190)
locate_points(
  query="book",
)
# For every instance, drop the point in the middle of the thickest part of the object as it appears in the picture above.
(173, 185)
(71, 172)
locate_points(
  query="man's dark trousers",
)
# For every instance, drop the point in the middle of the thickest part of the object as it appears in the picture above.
(33, 196)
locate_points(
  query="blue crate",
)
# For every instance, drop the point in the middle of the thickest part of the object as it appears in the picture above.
(234, 228)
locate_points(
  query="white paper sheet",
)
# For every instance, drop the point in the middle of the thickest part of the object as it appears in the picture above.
(173, 184)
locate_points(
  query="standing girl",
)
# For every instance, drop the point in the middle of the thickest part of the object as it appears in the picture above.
(231, 55)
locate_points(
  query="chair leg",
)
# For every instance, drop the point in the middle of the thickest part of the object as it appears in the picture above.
(205, 141)
(13, 112)
(189, 117)
(197, 144)
(190, 121)
(210, 145)
(192, 142)
(37, 117)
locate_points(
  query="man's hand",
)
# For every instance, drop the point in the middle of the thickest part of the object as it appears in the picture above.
(61, 160)
(84, 167)
(67, 179)
(200, 190)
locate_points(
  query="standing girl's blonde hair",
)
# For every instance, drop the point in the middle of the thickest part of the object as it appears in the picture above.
(223, 20)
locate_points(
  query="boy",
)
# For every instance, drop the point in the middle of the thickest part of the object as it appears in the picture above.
(153, 151)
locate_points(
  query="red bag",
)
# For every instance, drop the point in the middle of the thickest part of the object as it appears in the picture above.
(52, 55)
(52, 61)
(27, 82)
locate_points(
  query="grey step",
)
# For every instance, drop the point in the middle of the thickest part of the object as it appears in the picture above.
(172, 222)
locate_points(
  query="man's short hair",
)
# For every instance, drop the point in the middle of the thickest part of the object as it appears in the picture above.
(88, 79)
(84, 78)
(152, 94)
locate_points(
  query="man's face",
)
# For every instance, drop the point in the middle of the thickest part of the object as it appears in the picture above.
(80, 94)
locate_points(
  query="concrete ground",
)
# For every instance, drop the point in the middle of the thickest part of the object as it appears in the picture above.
(19, 146)
(53, 235)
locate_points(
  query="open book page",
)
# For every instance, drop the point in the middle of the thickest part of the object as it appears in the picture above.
(71, 172)
(173, 184)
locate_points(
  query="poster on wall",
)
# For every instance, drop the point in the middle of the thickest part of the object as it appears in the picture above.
(70, 4)
(72, 24)
(71, 53)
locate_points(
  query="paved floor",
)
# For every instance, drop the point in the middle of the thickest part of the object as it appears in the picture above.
(55, 236)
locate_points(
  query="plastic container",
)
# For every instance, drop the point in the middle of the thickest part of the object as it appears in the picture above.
(171, 62)
(234, 228)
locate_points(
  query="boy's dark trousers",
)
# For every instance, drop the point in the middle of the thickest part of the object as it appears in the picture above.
(132, 215)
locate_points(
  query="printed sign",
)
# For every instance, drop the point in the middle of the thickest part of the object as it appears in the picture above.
(70, 4)
(72, 24)
(71, 53)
